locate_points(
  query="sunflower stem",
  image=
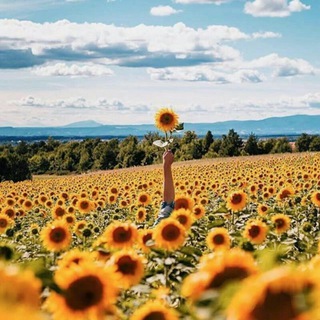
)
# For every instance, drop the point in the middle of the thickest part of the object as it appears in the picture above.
(166, 140)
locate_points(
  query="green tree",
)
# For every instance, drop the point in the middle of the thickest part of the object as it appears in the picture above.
(303, 142)
(231, 144)
(282, 145)
(315, 144)
(129, 153)
(251, 145)
(207, 141)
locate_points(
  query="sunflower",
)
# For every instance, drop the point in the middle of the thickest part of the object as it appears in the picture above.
(315, 198)
(218, 238)
(154, 310)
(141, 214)
(84, 205)
(279, 294)
(184, 217)
(183, 202)
(255, 231)
(169, 234)
(56, 236)
(285, 193)
(166, 120)
(218, 270)
(27, 204)
(58, 212)
(112, 198)
(129, 266)
(5, 222)
(19, 287)
(236, 201)
(281, 222)
(70, 219)
(120, 235)
(74, 256)
(262, 209)
(8, 211)
(143, 199)
(145, 237)
(88, 291)
(198, 211)
(79, 226)
(34, 229)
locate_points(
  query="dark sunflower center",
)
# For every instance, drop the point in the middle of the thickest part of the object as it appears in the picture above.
(114, 190)
(228, 274)
(275, 306)
(182, 204)
(170, 232)
(143, 198)
(81, 226)
(126, 265)
(254, 231)
(166, 118)
(140, 214)
(28, 204)
(146, 238)
(318, 196)
(155, 315)
(84, 205)
(10, 213)
(59, 212)
(3, 223)
(236, 198)
(279, 223)
(69, 219)
(284, 194)
(197, 211)
(264, 208)
(120, 234)
(84, 293)
(218, 239)
(183, 219)
(57, 234)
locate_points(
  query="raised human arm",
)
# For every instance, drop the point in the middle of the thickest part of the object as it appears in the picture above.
(168, 185)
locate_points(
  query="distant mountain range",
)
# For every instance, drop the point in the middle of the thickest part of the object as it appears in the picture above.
(290, 125)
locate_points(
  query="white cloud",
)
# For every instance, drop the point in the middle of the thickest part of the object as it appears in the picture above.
(62, 69)
(202, 1)
(265, 35)
(81, 103)
(32, 44)
(283, 66)
(205, 73)
(274, 8)
(163, 11)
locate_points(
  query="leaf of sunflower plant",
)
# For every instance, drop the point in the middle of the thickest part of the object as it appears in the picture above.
(160, 143)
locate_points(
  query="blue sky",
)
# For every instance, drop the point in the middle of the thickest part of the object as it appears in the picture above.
(119, 61)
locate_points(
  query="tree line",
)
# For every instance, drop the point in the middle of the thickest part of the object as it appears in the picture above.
(19, 162)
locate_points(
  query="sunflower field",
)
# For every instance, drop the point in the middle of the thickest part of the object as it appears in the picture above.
(241, 243)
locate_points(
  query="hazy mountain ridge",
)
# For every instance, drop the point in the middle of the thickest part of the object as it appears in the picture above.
(270, 126)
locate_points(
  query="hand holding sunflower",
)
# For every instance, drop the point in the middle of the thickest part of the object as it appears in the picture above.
(167, 121)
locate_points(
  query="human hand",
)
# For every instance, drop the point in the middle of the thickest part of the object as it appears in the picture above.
(168, 158)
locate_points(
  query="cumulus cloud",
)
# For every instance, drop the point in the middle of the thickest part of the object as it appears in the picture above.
(283, 66)
(274, 8)
(139, 46)
(237, 70)
(265, 35)
(205, 73)
(80, 103)
(163, 11)
(74, 70)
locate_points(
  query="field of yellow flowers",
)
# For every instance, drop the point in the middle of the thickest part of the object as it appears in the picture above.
(241, 244)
